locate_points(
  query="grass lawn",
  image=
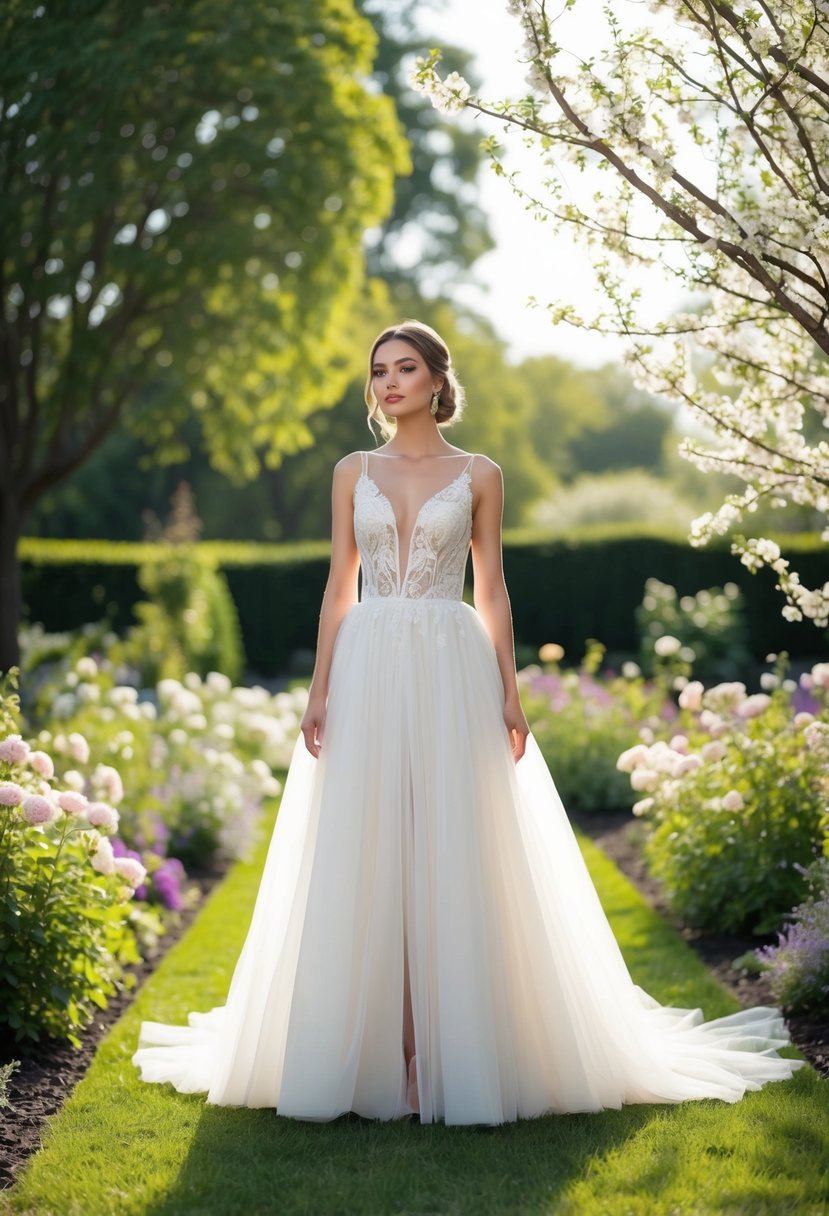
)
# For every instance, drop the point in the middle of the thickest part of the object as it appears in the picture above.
(125, 1147)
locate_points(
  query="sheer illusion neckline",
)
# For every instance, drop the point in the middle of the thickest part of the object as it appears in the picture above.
(365, 475)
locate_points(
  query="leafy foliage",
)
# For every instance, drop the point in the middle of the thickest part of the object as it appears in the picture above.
(708, 626)
(184, 198)
(190, 622)
(436, 229)
(181, 215)
(632, 496)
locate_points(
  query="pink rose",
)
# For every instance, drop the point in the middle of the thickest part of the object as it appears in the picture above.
(38, 810)
(754, 705)
(72, 802)
(713, 723)
(820, 675)
(11, 794)
(691, 696)
(78, 747)
(733, 801)
(103, 859)
(110, 779)
(41, 762)
(630, 758)
(103, 816)
(14, 749)
(131, 870)
(643, 779)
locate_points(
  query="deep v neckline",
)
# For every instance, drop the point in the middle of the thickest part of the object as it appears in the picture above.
(401, 581)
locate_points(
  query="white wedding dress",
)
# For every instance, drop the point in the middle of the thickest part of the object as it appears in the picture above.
(416, 833)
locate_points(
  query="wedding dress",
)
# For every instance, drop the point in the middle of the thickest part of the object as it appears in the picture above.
(416, 835)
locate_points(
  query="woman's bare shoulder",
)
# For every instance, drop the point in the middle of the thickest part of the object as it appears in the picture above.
(485, 470)
(348, 466)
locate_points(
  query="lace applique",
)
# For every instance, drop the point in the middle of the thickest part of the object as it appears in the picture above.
(438, 548)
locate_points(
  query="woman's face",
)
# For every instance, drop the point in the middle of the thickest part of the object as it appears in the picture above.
(400, 372)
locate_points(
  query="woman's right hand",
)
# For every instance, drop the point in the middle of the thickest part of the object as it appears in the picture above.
(313, 723)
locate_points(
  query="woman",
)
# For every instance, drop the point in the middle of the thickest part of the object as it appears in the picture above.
(426, 937)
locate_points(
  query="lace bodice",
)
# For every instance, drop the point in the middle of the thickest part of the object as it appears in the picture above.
(435, 560)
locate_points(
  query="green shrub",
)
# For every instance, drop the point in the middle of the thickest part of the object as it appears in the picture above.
(64, 932)
(734, 804)
(586, 583)
(633, 496)
(708, 630)
(189, 623)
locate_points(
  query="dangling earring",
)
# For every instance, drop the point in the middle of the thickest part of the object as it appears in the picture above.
(435, 403)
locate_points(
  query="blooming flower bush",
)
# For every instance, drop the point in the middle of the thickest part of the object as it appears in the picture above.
(196, 756)
(798, 966)
(65, 934)
(706, 630)
(742, 360)
(581, 722)
(735, 799)
(113, 796)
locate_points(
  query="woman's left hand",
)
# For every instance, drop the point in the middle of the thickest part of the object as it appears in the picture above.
(517, 727)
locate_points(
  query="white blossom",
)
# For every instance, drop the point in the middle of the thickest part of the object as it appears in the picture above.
(752, 235)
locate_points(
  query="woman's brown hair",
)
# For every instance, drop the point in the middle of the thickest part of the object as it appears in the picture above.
(435, 353)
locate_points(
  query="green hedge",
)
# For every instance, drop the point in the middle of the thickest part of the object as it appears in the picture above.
(562, 589)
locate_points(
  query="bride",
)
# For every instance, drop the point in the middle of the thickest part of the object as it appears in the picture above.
(426, 939)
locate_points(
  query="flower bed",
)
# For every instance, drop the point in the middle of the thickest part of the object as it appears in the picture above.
(582, 721)
(103, 817)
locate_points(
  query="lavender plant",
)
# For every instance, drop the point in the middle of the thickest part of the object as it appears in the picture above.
(798, 966)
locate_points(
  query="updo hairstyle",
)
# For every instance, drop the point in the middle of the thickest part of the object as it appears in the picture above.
(435, 354)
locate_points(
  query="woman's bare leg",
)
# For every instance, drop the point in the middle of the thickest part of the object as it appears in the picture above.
(408, 1033)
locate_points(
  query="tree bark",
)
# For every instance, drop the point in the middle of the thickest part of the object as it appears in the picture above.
(11, 527)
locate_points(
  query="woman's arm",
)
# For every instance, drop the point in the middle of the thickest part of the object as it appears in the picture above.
(339, 595)
(490, 593)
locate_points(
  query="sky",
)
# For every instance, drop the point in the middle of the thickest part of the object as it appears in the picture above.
(529, 258)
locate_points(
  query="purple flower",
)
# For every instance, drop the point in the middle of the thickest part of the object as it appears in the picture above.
(799, 963)
(168, 879)
(803, 701)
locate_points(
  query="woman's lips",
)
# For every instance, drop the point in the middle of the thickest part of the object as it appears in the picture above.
(395, 397)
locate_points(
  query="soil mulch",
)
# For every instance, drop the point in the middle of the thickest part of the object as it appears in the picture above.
(47, 1075)
(620, 836)
(49, 1072)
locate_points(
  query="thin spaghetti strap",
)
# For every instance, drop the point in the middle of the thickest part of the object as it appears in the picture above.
(364, 461)
(468, 465)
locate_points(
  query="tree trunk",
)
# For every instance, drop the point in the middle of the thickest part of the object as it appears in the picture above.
(11, 524)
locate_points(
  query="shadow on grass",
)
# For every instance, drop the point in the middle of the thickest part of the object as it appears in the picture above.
(257, 1162)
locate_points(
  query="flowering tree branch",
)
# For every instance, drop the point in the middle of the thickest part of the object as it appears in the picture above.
(723, 180)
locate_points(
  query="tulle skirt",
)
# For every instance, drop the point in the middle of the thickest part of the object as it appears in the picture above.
(416, 835)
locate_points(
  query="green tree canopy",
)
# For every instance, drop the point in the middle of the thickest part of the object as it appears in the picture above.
(437, 228)
(184, 194)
